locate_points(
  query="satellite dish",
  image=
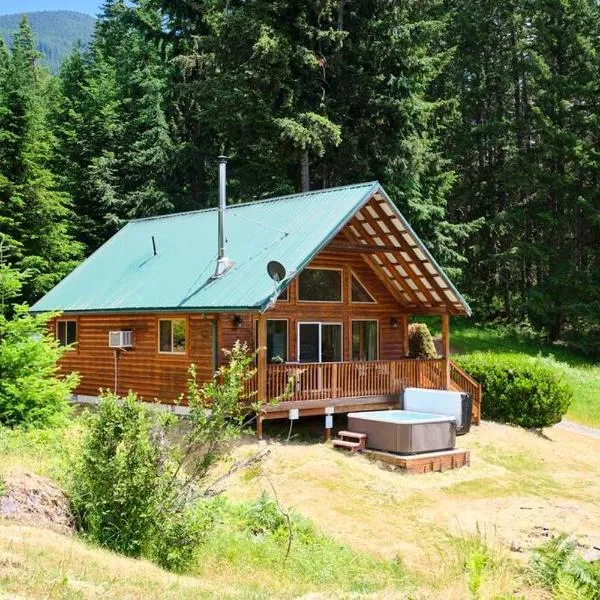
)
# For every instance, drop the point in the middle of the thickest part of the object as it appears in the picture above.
(276, 271)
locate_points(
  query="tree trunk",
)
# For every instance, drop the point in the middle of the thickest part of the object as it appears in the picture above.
(305, 172)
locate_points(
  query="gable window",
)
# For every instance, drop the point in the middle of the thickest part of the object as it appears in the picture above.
(364, 340)
(66, 332)
(172, 336)
(277, 340)
(320, 285)
(359, 292)
(285, 295)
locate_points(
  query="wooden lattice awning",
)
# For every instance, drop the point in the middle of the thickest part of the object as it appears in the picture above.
(380, 233)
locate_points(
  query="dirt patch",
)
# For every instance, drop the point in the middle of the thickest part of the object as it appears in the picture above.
(35, 500)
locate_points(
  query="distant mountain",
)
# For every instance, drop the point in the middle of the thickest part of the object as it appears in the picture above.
(56, 32)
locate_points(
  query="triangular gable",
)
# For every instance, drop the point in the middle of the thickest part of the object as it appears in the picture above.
(389, 245)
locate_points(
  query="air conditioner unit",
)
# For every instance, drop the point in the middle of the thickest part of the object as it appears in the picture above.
(120, 339)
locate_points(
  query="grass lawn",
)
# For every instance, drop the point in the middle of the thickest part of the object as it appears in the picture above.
(582, 375)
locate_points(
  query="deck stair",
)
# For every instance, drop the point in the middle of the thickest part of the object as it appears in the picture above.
(356, 443)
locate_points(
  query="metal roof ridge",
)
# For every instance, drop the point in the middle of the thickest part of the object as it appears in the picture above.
(255, 202)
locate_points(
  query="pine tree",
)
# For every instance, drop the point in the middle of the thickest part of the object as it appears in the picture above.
(34, 214)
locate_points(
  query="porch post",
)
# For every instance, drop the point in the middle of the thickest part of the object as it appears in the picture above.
(446, 350)
(261, 365)
(404, 336)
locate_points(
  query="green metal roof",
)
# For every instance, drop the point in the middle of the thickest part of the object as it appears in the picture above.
(124, 275)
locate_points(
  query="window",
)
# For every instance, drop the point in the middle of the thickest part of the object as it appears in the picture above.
(277, 340)
(320, 285)
(364, 340)
(66, 332)
(319, 342)
(359, 291)
(171, 336)
(285, 295)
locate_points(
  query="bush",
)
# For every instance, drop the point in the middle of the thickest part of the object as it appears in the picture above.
(122, 474)
(136, 492)
(31, 392)
(518, 389)
(420, 341)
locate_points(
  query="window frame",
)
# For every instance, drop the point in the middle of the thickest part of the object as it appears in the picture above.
(377, 345)
(74, 346)
(364, 287)
(340, 270)
(320, 324)
(186, 320)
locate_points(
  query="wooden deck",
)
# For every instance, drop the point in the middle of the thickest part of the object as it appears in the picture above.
(333, 388)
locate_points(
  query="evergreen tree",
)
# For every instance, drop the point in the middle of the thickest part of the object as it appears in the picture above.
(34, 214)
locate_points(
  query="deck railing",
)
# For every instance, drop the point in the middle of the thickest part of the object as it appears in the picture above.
(463, 381)
(320, 381)
(323, 381)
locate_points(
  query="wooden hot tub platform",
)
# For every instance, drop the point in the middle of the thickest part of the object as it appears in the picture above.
(444, 460)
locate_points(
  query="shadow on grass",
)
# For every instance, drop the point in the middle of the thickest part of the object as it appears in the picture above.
(307, 430)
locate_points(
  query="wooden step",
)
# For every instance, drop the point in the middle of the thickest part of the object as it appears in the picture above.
(354, 446)
(352, 434)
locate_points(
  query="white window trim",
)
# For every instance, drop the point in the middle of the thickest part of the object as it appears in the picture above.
(320, 324)
(340, 301)
(172, 352)
(72, 346)
(364, 287)
(378, 337)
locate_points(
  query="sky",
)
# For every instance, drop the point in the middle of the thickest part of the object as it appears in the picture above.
(91, 7)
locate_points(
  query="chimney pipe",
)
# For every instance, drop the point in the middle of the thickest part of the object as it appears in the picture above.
(223, 262)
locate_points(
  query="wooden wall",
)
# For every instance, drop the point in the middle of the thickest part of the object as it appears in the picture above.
(142, 368)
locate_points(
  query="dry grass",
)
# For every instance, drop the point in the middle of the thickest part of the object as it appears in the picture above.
(38, 563)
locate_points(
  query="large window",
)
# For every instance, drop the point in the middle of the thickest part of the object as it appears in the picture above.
(320, 285)
(277, 340)
(172, 336)
(364, 340)
(66, 332)
(319, 342)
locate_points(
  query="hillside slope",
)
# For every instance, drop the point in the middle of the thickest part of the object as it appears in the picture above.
(56, 32)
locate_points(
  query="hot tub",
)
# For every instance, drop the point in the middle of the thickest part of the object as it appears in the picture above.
(404, 432)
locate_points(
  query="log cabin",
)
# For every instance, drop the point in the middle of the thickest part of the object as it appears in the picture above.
(168, 291)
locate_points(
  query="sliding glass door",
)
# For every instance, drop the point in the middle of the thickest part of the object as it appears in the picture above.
(319, 342)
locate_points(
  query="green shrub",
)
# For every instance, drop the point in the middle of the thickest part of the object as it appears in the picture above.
(524, 391)
(122, 474)
(420, 341)
(556, 566)
(31, 391)
(137, 492)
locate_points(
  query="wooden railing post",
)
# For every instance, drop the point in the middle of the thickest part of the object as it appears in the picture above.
(334, 380)
(261, 365)
(446, 351)
(404, 336)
